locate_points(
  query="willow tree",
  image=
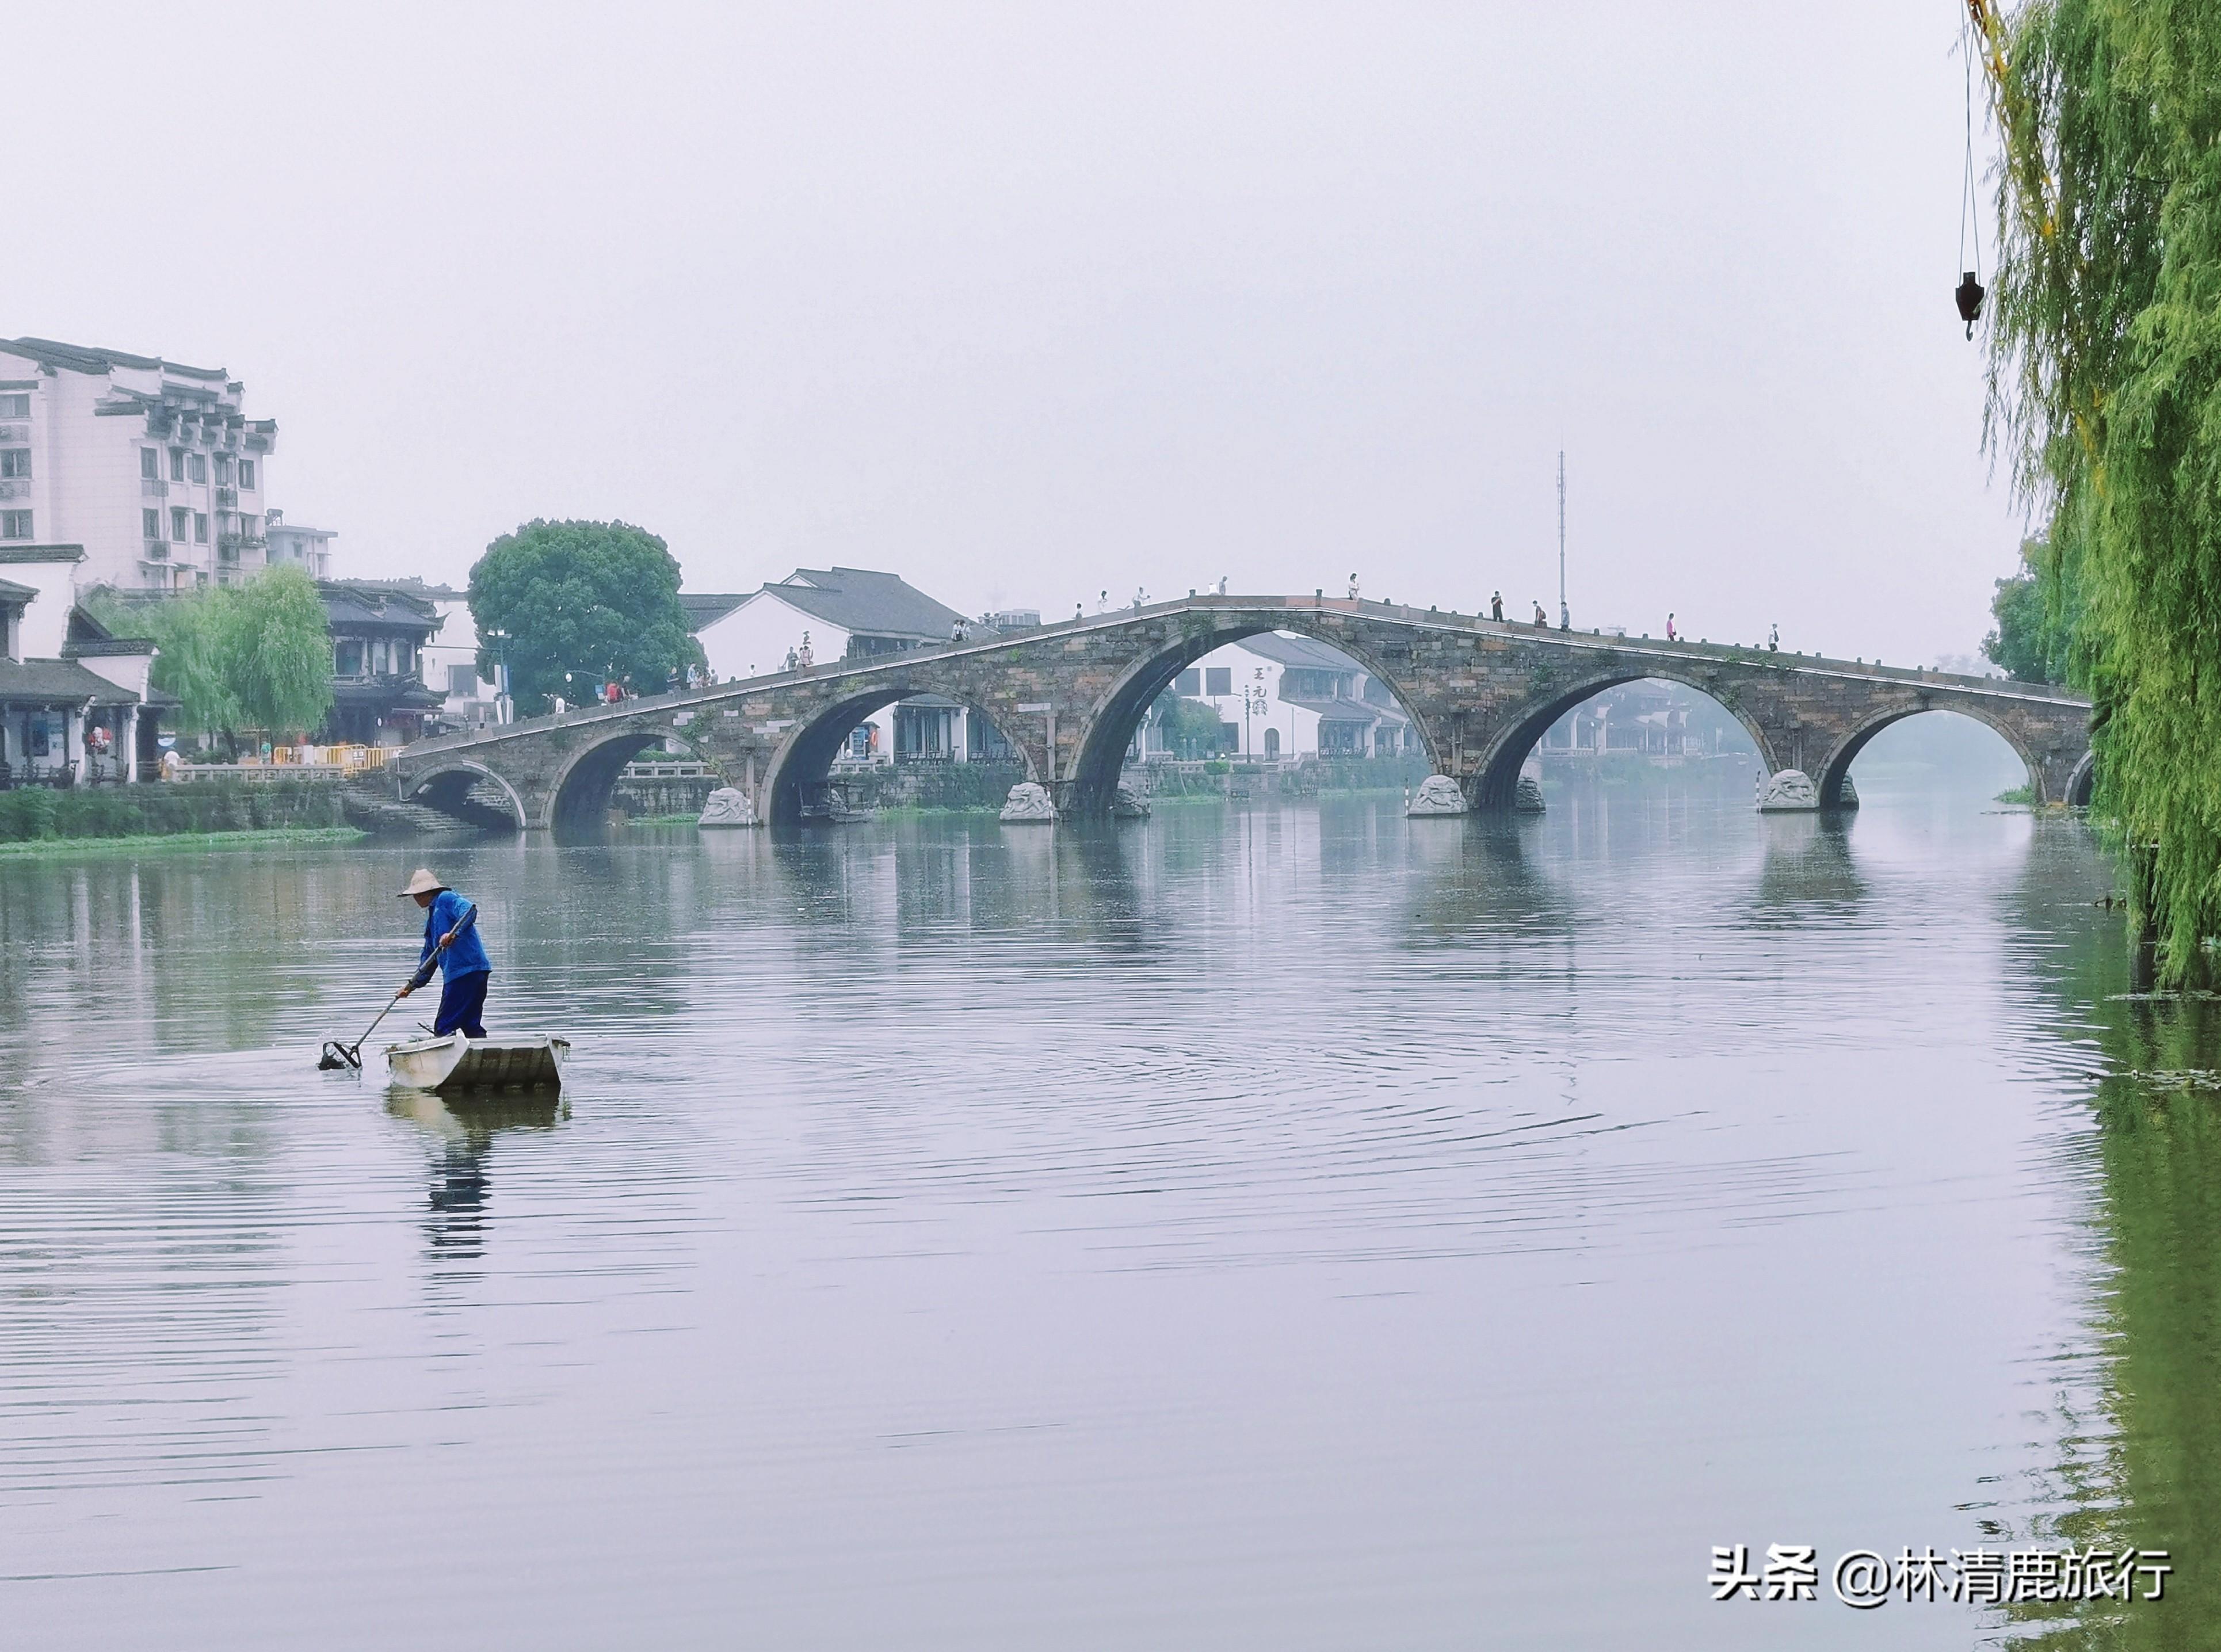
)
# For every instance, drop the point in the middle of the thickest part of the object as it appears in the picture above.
(252, 656)
(276, 646)
(2106, 392)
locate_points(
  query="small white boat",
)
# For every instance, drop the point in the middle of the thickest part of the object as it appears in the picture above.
(454, 1063)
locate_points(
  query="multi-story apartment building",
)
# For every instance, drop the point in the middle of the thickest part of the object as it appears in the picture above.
(290, 545)
(151, 467)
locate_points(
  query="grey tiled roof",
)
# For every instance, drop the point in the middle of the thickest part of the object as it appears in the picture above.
(1299, 652)
(15, 593)
(862, 600)
(41, 552)
(705, 608)
(357, 602)
(56, 682)
(79, 358)
(1343, 710)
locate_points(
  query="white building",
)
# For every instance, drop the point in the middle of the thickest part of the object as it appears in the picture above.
(1279, 695)
(829, 614)
(149, 465)
(290, 545)
(75, 706)
(451, 660)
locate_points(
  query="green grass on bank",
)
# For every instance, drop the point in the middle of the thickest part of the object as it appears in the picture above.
(181, 843)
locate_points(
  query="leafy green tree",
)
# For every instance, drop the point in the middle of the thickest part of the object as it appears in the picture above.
(191, 659)
(1190, 727)
(2106, 390)
(2028, 643)
(257, 656)
(581, 602)
(276, 649)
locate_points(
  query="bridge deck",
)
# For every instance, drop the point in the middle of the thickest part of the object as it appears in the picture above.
(1679, 654)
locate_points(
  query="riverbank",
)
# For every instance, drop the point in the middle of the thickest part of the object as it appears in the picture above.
(180, 842)
(161, 809)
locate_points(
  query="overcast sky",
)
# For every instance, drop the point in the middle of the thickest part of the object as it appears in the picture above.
(1029, 301)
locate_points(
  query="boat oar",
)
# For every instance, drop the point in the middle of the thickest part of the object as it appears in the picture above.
(337, 1055)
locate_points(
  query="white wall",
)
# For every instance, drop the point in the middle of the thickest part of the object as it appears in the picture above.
(753, 640)
(1299, 729)
(130, 671)
(46, 618)
(456, 643)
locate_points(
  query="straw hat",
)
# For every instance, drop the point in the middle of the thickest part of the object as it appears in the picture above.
(422, 882)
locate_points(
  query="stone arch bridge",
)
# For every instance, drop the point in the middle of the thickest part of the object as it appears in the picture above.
(1069, 697)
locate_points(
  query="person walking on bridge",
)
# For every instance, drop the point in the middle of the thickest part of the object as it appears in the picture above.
(452, 947)
(1496, 608)
(1353, 587)
(1670, 637)
(1542, 619)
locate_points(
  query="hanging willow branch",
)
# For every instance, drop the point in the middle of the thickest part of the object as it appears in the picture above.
(2106, 396)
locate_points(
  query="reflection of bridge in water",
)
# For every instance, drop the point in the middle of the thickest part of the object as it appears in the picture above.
(1069, 697)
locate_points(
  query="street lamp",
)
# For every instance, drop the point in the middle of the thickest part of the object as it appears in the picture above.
(504, 705)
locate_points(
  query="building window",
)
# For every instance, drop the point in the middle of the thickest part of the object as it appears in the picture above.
(15, 524)
(1219, 679)
(15, 461)
(250, 526)
(462, 680)
(15, 407)
(346, 654)
(150, 463)
(200, 527)
(1189, 683)
(197, 463)
(176, 464)
(223, 467)
(150, 522)
(177, 514)
(246, 473)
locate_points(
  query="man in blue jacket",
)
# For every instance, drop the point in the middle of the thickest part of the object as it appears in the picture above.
(452, 947)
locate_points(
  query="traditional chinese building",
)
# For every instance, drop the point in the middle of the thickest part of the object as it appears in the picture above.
(379, 629)
(76, 706)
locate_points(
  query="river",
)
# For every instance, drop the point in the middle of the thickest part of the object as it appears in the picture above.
(1292, 1228)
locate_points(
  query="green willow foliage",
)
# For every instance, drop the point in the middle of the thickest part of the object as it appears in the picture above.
(257, 656)
(2106, 389)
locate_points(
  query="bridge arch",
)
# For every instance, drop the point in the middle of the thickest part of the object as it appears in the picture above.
(1836, 767)
(579, 795)
(1115, 718)
(1495, 781)
(2082, 783)
(448, 789)
(805, 753)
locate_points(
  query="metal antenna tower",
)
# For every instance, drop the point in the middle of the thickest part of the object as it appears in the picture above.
(1561, 537)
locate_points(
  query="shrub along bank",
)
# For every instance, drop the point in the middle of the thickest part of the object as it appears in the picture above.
(30, 814)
